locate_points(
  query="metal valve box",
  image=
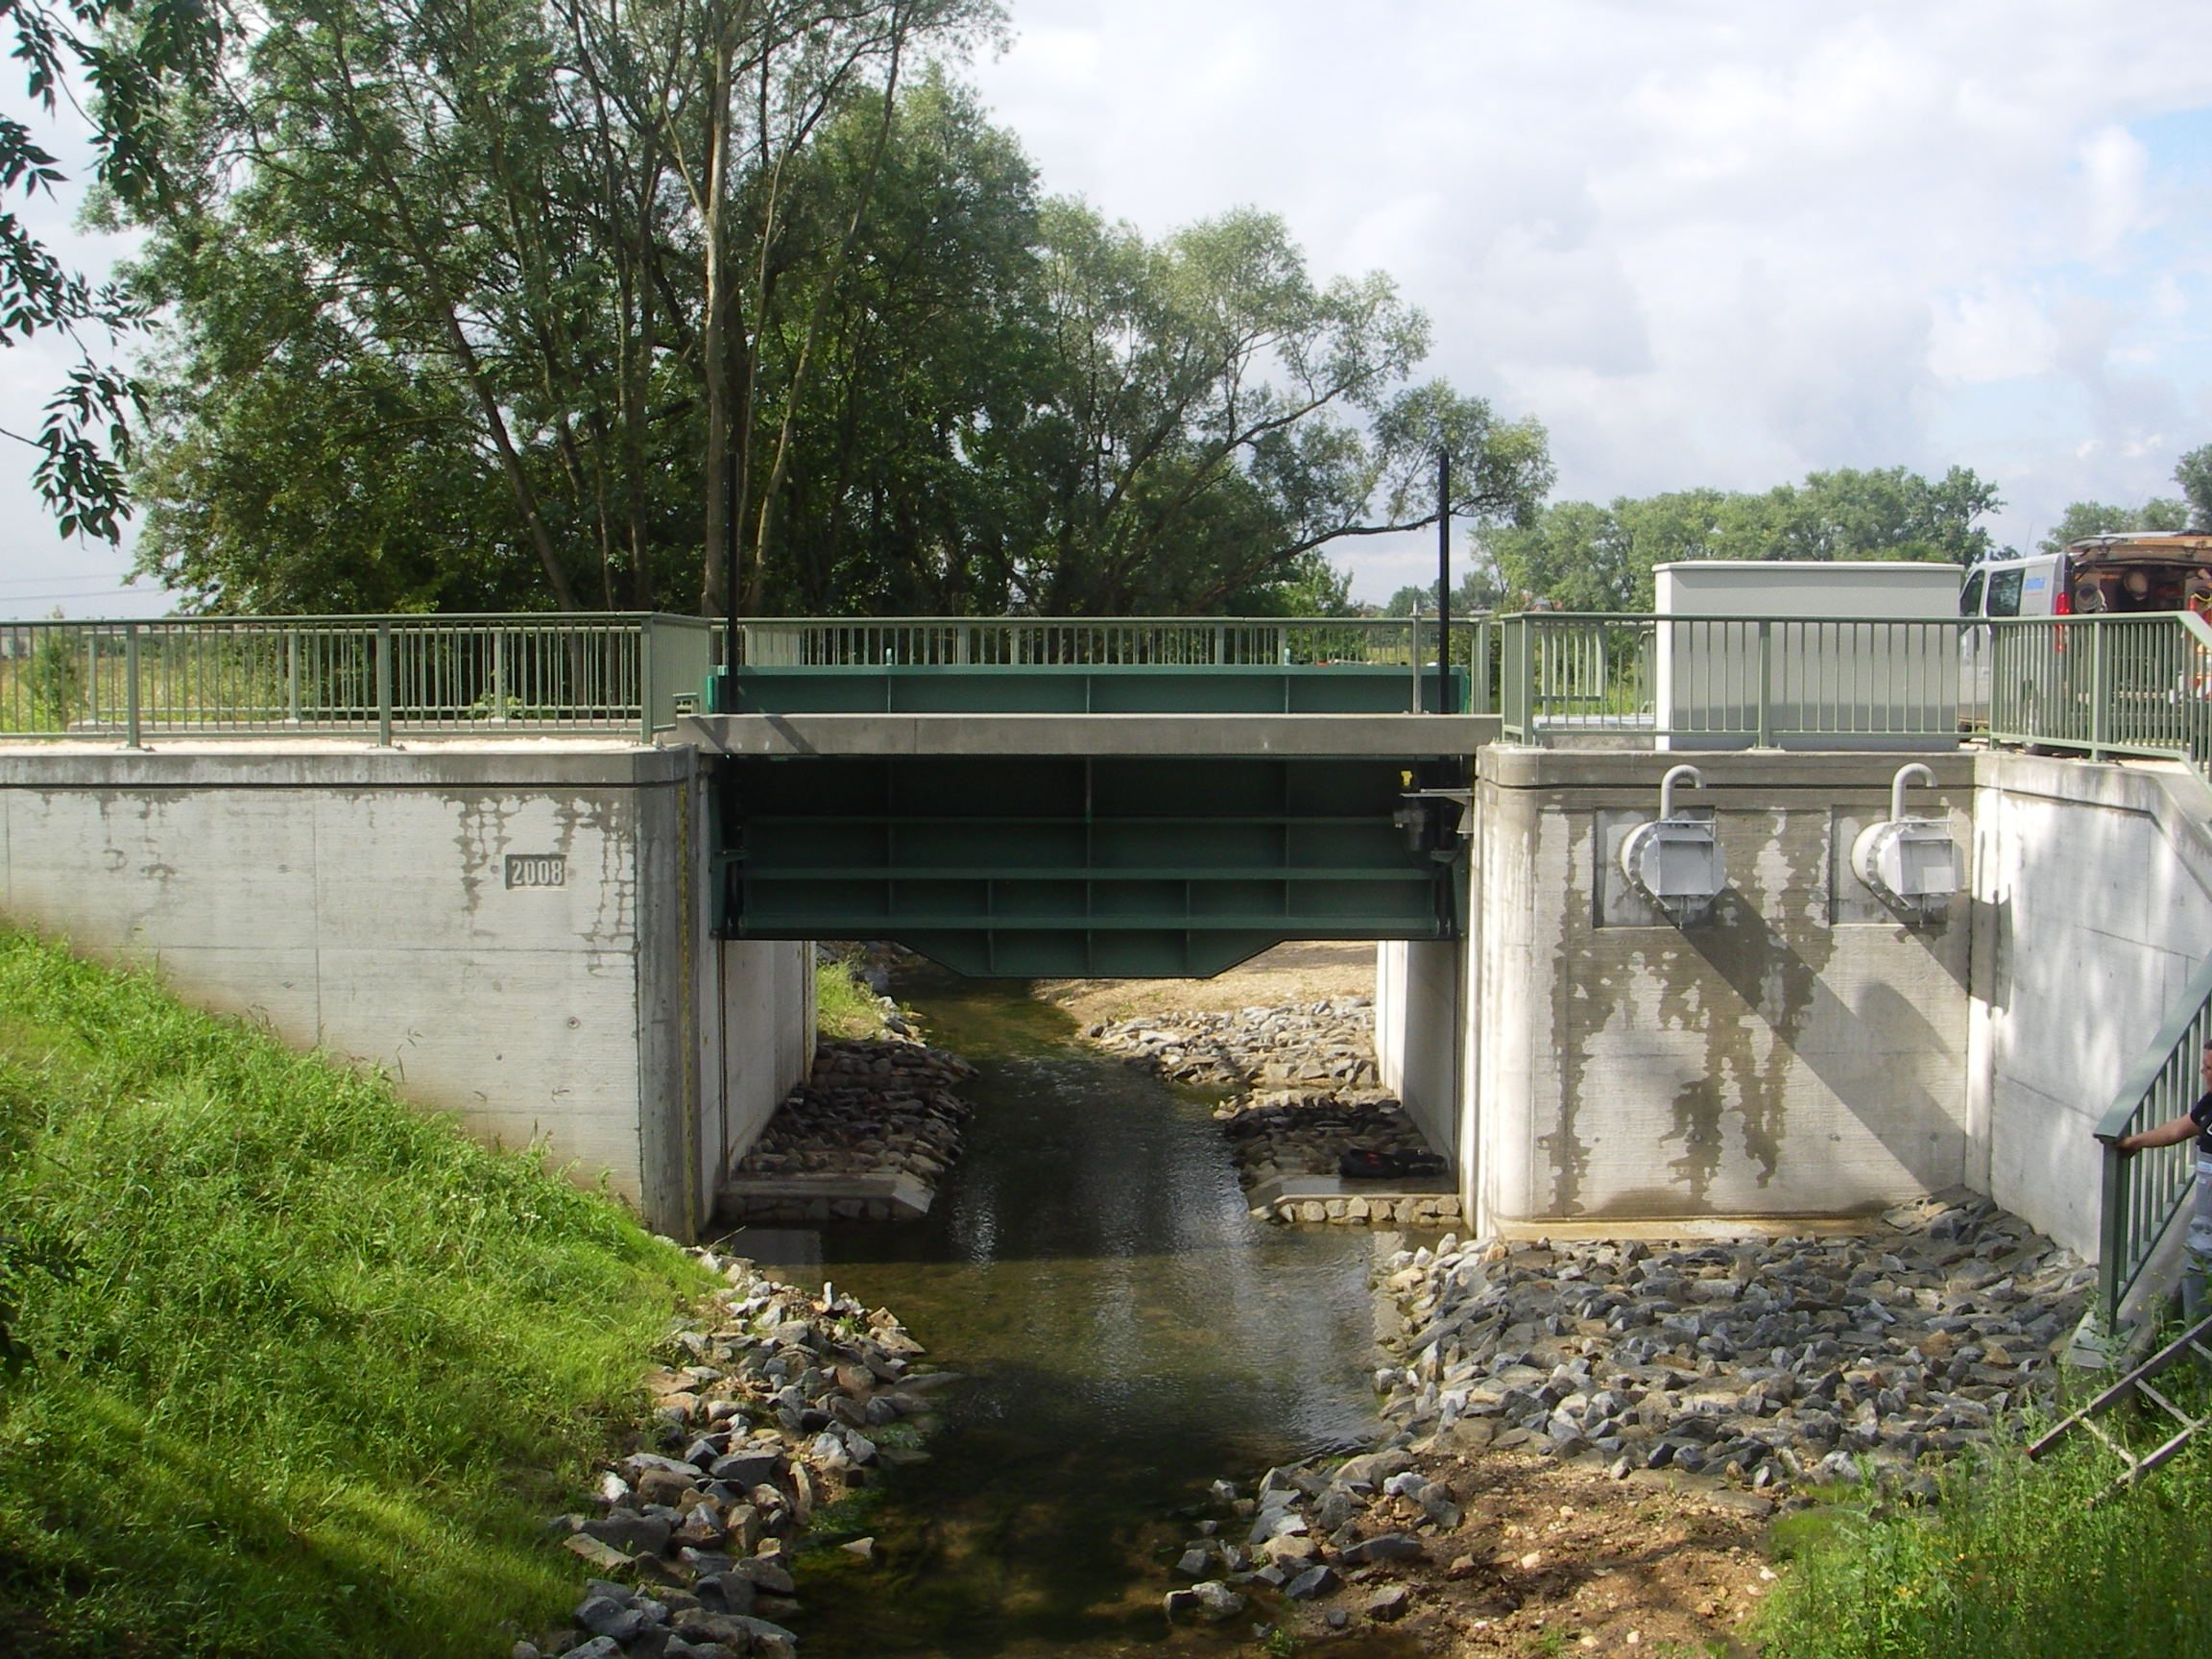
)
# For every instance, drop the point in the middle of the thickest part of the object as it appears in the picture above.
(1676, 860)
(1911, 860)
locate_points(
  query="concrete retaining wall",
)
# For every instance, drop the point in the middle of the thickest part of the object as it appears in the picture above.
(1802, 1052)
(2093, 894)
(519, 933)
(1417, 1005)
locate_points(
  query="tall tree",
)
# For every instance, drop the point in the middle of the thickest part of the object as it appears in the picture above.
(481, 243)
(2193, 473)
(574, 227)
(1216, 417)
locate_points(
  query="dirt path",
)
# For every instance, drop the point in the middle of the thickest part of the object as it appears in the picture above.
(1553, 1560)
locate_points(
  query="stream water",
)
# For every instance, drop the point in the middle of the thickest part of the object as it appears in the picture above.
(1127, 1334)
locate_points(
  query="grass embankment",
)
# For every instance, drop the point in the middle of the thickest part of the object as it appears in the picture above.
(2015, 1563)
(288, 1368)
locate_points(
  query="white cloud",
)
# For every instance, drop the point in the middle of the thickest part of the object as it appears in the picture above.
(1997, 332)
(2112, 167)
(1719, 240)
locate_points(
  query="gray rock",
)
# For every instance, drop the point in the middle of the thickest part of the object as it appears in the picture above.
(1374, 1468)
(1216, 1601)
(767, 1574)
(639, 1534)
(1194, 1563)
(1338, 1506)
(732, 1589)
(748, 1468)
(1389, 1604)
(1387, 1546)
(1313, 1583)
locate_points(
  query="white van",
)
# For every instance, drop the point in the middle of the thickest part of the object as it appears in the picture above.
(2131, 571)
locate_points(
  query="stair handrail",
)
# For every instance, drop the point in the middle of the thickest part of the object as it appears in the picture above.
(2144, 1191)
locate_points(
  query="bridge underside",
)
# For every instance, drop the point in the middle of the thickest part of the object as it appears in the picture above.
(1088, 865)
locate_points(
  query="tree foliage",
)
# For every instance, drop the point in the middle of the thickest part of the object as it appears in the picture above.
(2101, 518)
(1580, 556)
(131, 56)
(543, 302)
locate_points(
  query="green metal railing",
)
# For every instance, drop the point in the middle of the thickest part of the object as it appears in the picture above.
(608, 672)
(2145, 1190)
(1749, 679)
(1119, 642)
(2139, 684)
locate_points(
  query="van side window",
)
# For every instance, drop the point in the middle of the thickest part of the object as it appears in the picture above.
(2004, 593)
(1970, 596)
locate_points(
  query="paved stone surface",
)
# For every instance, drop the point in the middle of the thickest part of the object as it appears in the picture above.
(886, 1107)
(1760, 1360)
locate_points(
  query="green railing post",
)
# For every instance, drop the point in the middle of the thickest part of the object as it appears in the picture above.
(130, 686)
(383, 684)
(291, 676)
(2099, 691)
(648, 689)
(1765, 736)
(2112, 1236)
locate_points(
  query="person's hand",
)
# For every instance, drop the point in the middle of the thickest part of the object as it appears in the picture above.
(2118, 1144)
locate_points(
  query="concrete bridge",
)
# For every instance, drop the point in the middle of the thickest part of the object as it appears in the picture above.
(520, 863)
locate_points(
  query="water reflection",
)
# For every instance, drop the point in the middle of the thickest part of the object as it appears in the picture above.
(1130, 1335)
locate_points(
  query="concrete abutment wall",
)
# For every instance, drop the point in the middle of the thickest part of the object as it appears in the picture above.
(1800, 1051)
(1806, 1050)
(519, 933)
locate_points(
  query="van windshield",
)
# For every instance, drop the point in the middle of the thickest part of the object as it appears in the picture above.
(1970, 596)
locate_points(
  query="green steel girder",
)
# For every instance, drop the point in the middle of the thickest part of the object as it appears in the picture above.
(1029, 866)
(1332, 688)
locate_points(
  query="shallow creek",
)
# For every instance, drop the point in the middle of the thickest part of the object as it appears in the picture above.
(1127, 1334)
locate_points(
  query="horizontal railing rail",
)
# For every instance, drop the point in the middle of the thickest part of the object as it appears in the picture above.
(2144, 1191)
(1757, 681)
(222, 676)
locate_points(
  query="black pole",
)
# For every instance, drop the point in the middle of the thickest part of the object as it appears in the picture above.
(730, 581)
(1443, 581)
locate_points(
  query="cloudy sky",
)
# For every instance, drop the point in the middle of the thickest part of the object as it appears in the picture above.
(1712, 241)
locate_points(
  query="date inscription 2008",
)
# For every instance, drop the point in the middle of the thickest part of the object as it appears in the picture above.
(537, 869)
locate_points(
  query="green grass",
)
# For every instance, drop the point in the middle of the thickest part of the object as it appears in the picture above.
(2013, 1563)
(289, 1368)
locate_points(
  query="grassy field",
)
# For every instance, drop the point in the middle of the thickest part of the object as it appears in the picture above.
(2016, 1562)
(285, 1367)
